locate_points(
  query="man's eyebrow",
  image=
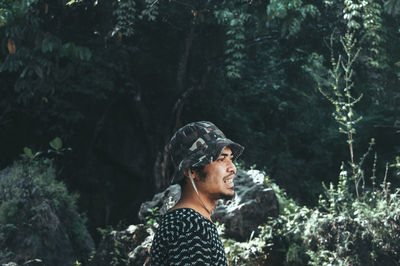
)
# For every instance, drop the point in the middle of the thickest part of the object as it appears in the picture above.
(226, 154)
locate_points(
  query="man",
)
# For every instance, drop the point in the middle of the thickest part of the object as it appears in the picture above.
(204, 158)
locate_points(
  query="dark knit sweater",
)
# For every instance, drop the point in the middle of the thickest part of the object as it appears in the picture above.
(185, 237)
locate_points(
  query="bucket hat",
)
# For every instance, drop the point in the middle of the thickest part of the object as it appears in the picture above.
(199, 143)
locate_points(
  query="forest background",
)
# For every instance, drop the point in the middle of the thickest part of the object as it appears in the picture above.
(108, 82)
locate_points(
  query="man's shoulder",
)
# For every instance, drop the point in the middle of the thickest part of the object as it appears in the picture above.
(184, 220)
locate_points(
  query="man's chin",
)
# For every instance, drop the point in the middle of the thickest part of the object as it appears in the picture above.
(227, 196)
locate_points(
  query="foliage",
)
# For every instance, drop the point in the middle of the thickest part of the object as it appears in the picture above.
(124, 247)
(30, 195)
(127, 13)
(392, 7)
(343, 100)
(292, 13)
(118, 257)
(342, 230)
(255, 251)
(356, 222)
(234, 20)
(153, 217)
(242, 253)
(115, 78)
(346, 227)
(119, 246)
(56, 146)
(39, 64)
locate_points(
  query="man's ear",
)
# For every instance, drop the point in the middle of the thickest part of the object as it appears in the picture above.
(186, 173)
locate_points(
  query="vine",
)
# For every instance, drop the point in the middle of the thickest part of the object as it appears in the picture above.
(234, 19)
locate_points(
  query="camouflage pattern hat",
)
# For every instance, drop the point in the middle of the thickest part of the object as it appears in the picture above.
(199, 143)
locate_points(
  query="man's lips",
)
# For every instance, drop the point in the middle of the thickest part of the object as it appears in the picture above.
(228, 180)
(226, 177)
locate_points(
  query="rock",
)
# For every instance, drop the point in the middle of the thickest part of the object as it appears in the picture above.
(251, 207)
(253, 204)
(126, 247)
(162, 201)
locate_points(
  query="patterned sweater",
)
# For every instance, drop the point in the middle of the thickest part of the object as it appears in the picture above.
(185, 237)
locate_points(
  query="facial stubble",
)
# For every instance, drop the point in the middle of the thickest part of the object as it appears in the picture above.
(226, 197)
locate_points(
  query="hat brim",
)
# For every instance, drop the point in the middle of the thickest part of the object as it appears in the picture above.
(236, 148)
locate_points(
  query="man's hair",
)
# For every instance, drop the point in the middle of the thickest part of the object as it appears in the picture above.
(199, 170)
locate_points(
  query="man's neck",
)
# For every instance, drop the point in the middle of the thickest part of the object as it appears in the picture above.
(189, 199)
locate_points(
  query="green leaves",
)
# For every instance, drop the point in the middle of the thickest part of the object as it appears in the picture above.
(341, 229)
(39, 66)
(72, 50)
(235, 38)
(151, 10)
(3, 13)
(153, 217)
(30, 191)
(126, 16)
(56, 144)
(50, 44)
(291, 15)
(72, 2)
(392, 7)
(29, 154)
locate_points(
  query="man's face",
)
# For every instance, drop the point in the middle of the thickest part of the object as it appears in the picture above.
(218, 183)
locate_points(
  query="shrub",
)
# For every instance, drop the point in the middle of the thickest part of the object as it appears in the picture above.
(38, 216)
(356, 222)
(342, 229)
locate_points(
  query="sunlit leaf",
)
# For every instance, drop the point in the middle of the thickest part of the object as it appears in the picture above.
(56, 143)
(28, 152)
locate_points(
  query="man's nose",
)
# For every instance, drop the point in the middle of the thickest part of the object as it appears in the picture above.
(231, 167)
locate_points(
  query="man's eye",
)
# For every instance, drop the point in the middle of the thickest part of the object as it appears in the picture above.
(221, 159)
